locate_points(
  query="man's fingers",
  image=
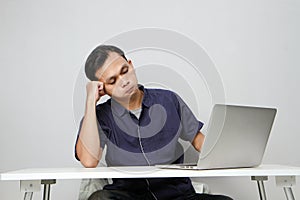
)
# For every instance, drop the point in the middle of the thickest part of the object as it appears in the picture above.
(95, 89)
(101, 89)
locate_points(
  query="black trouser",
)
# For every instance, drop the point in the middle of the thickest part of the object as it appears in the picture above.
(124, 195)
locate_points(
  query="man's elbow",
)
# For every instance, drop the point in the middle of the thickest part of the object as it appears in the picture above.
(87, 160)
(88, 163)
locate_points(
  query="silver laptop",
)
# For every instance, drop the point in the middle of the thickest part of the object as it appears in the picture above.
(237, 137)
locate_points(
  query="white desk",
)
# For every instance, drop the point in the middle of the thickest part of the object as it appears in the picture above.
(30, 178)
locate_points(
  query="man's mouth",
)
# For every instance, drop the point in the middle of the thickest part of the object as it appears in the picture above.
(129, 90)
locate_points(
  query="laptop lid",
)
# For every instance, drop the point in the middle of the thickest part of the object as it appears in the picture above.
(237, 136)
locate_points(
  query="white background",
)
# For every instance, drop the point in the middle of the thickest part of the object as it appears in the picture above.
(254, 44)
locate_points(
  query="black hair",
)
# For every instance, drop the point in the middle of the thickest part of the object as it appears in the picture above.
(97, 58)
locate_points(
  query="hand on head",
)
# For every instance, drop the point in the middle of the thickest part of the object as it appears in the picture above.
(95, 90)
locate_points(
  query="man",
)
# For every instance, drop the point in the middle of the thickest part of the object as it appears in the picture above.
(138, 126)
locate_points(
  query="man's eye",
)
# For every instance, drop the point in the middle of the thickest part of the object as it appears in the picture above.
(124, 70)
(112, 82)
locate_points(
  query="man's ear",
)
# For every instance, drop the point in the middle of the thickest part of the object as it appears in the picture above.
(130, 62)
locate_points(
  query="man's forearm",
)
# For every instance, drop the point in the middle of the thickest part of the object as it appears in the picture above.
(88, 145)
(198, 141)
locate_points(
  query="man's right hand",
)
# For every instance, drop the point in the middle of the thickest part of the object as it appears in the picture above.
(94, 89)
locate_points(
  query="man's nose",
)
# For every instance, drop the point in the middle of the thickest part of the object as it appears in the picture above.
(124, 81)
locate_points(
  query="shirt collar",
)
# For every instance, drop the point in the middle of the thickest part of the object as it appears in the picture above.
(147, 98)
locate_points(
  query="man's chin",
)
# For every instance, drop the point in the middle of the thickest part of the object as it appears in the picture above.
(127, 95)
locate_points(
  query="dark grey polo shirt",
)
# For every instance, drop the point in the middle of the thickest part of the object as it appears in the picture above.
(164, 119)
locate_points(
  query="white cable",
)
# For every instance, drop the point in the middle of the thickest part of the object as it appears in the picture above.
(150, 190)
(143, 152)
(141, 145)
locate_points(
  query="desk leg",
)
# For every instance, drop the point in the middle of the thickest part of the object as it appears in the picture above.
(47, 185)
(286, 182)
(28, 195)
(261, 188)
(29, 187)
(288, 193)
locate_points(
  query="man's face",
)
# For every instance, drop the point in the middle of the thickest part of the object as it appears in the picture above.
(118, 76)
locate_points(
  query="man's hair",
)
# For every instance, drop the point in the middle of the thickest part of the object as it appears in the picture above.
(97, 58)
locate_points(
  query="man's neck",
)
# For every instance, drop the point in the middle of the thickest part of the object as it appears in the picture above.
(134, 102)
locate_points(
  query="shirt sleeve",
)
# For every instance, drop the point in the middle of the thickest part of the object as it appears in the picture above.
(189, 123)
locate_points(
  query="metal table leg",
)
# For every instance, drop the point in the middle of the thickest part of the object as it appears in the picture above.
(47, 186)
(29, 187)
(288, 193)
(286, 182)
(28, 195)
(261, 188)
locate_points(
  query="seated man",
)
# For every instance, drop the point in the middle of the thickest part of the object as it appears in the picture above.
(139, 126)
